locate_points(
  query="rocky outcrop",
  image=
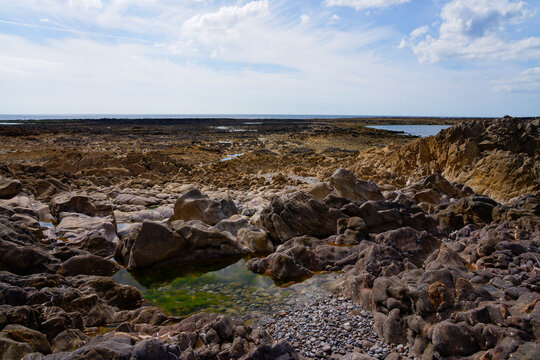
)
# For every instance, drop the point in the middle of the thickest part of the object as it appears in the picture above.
(88, 264)
(46, 313)
(470, 296)
(82, 204)
(156, 243)
(297, 215)
(201, 336)
(300, 257)
(346, 185)
(497, 158)
(445, 263)
(195, 205)
(9, 188)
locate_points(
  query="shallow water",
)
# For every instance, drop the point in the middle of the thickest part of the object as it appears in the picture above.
(122, 226)
(230, 157)
(234, 129)
(415, 130)
(222, 286)
(46, 224)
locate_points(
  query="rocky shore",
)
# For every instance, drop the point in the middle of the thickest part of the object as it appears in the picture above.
(436, 240)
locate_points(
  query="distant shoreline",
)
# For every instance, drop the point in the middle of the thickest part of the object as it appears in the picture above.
(165, 119)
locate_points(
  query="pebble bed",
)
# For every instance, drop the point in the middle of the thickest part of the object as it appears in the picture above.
(329, 328)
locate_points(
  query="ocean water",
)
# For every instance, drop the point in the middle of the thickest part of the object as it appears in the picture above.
(172, 116)
(415, 130)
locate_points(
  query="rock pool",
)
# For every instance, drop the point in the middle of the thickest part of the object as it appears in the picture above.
(223, 286)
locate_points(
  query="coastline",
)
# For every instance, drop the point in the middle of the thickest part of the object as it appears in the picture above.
(435, 237)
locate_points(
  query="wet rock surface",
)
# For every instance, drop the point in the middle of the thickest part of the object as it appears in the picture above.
(436, 240)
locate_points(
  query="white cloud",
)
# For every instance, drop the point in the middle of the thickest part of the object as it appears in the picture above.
(170, 56)
(226, 17)
(365, 4)
(527, 81)
(304, 18)
(209, 32)
(473, 30)
(335, 18)
(86, 4)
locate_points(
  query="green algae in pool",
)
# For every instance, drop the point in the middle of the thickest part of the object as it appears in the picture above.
(222, 286)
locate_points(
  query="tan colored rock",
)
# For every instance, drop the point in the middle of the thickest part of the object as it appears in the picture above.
(320, 190)
(497, 158)
(256, 240)
(346, 185)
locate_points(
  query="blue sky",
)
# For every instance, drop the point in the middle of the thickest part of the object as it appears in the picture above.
(364, 57)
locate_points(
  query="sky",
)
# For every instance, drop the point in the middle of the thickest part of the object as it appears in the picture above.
(347, 57)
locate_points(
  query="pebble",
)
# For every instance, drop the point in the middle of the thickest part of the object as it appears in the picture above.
(328, 327)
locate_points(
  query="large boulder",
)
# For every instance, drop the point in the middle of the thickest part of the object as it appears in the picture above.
(347, 185)
(77, 227)
(79, 203)
(88, 264)
(195, 205)
(453, 339)
(416, 246)
(155, 243)
(37, 341)
(23, 260)
(473, 210)
(302, 256)
(297, 215)
(10, 189)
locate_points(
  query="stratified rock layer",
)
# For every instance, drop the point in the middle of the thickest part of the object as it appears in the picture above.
(497, 158)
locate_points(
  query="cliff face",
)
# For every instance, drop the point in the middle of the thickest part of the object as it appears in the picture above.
(499, 158)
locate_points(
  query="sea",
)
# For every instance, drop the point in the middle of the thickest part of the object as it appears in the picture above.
(173, 116)
(416, 130)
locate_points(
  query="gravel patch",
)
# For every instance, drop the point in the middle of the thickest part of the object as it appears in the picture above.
(331, 327)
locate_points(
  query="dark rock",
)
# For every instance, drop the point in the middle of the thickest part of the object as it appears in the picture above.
(88, 264)
(301, 214)
(279, 351)
(73, 203)
(195, 205)
(453, 339)
(18, 333)
(10, 189)
(25, 259)
(69, 340)
(153, 243)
